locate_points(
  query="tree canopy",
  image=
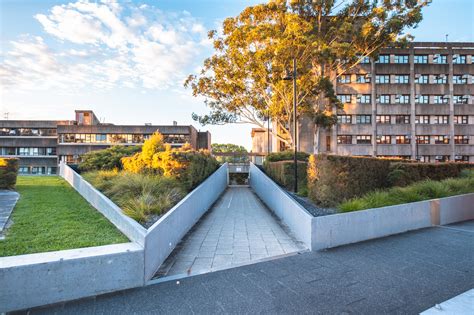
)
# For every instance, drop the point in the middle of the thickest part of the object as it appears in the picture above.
(242, 81)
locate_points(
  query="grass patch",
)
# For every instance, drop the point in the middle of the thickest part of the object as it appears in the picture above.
(424, 190)
(50, 216)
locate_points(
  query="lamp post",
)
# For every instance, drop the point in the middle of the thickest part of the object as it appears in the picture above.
(292, 76)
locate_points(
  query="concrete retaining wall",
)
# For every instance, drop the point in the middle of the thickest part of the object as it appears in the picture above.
(345, 228)
(133, 230)
(38, 279)
(285, 207)
(456, 209)
(352, 227)
(164, 235)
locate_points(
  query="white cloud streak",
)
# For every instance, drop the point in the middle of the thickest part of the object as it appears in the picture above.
(104, 45)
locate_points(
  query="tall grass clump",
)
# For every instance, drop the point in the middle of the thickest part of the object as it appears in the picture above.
(425, 190)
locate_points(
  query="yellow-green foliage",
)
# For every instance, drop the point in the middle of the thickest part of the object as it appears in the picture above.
(8, 173)
(424, 190)
(185, 164)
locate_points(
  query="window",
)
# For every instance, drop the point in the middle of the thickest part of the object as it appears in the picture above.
(402, 139)
(460, 99)
(363, 119)
(422, 99)
(402, 79)
(459, 59)
(364, 139)
(384, 139)
(400, 59)
(440, 99)
(423, 139)
(383, 99)
(344, 139)
(345, 98)
(423, 158)
(422, 119)
(420, 59)
(441, 139)
(460, 79)
(461, 158)
(344, 78)
(460, 119)
(24, 170)
(363, 98)
(440, 79)
(383, 59)
(363, 78)
(421, 79)
(442, 158)
(441, 119)
(461, 139)
(344, 119)
(440, 59)
(383, 119)
(402, 119)
(402, 99)
(382, 79)
(365, 60)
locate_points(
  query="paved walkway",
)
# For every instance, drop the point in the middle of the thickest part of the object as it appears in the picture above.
(8, 201)
(239, 229)
(402, 274)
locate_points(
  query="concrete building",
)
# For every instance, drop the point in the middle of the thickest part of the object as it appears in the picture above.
(413, 103)
(40, 145)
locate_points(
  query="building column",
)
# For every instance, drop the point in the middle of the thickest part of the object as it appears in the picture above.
(451, 104)
(412, 104)
(373, 100)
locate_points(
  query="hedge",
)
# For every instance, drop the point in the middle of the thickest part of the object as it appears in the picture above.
(333, 179)
(403, 174)
(8, 172)
(283, 173)
(106, 159)
(286, 156)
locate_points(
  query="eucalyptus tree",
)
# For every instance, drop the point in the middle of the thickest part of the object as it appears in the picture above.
(242, 81)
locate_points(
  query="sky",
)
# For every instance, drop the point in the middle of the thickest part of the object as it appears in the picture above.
(127, 60)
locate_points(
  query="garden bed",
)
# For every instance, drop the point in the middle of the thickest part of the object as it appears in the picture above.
(50, 215)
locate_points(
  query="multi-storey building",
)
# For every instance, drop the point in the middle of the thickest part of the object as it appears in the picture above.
(414, 103)
(40, 145)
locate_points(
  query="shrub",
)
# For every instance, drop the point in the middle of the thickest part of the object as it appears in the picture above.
(403, 174)
(106, 159)
(283, 173)
(286, 156)
(333, 178)
(424, 190)
(8, 172)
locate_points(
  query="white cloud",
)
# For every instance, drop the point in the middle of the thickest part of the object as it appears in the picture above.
(103, 45)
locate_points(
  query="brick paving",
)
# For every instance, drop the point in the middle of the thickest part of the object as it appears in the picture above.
(239, 229)
(401, 274)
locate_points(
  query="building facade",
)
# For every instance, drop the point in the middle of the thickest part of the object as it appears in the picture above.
(413, 103)
(41, 145)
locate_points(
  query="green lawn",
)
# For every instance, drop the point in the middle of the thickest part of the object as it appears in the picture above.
(51, 215)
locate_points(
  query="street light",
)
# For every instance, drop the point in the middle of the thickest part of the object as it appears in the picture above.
(292, 76)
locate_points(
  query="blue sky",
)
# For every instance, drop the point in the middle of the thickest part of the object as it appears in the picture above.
(127, 60)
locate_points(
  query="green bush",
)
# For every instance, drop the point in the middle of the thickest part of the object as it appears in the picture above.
(286, 156)
(106, 159)
(403, 174)
(139, 195)
(282, 172)
(424, 190)
(333, 179)
(8, 172)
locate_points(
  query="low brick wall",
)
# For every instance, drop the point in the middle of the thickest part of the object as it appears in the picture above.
(284, 206)
(38, 279)
(165, 234)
